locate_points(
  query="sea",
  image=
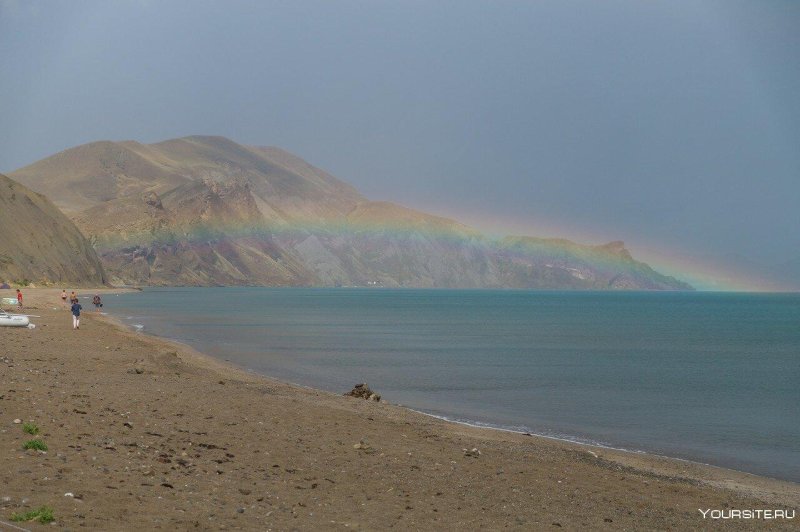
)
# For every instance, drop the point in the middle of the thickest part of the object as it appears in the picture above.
(703, 376)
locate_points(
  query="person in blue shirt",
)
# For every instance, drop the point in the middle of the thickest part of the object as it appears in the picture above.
(76, 314)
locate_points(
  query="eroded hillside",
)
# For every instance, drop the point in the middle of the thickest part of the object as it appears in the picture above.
(38, 243)
(207, 211)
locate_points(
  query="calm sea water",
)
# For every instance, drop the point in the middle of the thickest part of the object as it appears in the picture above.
(703, 376)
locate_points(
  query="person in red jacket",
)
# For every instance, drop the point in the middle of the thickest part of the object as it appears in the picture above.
(19, 299)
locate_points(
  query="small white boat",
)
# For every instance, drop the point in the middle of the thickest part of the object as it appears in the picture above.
(13, 320)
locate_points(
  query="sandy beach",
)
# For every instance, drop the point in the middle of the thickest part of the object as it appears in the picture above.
(148, 434)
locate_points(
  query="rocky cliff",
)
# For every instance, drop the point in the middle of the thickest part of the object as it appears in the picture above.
(206, 211)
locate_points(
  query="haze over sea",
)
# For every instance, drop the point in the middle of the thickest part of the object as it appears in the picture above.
(711, 377)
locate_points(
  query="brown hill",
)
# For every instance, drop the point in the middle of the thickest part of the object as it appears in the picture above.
(206, 210)
(94, 173)
(39, 244)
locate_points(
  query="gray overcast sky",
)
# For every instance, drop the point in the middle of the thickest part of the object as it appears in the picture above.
(673, 125)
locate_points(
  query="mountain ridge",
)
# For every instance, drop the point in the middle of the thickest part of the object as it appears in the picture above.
(205, 210)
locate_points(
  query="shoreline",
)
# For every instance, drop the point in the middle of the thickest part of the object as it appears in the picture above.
(228, 365)
(467, 423)
(599, 446)
(485, 422)
(401, 449)
(135, 329)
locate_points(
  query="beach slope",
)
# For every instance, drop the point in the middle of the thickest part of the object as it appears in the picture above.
(146, 434)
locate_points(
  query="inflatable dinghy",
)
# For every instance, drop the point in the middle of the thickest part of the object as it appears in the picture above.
(13, 320)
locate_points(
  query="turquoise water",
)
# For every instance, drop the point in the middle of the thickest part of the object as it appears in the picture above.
(711, 377)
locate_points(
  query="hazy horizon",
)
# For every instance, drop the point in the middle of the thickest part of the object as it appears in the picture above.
(673, 126)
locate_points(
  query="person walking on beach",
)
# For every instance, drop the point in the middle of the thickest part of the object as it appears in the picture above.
(19, 299)
(76, 314)
(73, 298)
(64, 298)
(97, 302)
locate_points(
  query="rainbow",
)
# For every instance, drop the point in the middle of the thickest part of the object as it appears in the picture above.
(369, 236)
(452, 236)
(705, 274)
(710, 275)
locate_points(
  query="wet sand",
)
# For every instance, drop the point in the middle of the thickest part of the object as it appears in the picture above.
(149, 434)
